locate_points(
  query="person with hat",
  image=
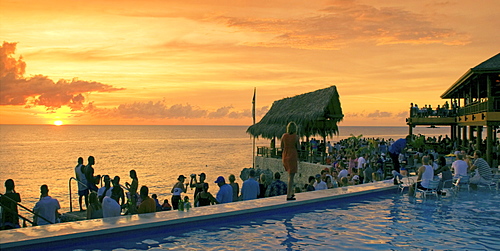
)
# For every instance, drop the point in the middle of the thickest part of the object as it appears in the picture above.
(355, 180)
(225, 194)
(178, 188)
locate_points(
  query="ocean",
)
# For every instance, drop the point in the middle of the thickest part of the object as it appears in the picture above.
(33, 155)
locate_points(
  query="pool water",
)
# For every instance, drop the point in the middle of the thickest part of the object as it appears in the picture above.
(388, 221)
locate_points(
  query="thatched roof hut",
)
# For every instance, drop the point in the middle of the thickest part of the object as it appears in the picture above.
(316, 113)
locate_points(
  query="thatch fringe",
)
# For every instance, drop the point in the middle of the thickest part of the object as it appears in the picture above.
(316, 113)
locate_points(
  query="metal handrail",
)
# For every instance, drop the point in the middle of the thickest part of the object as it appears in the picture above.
(70, 194)
(18, 215)
(27, 209)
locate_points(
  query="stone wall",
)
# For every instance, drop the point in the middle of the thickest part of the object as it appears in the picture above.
(306, 169)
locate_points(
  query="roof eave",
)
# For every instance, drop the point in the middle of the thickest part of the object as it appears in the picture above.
(449, 92)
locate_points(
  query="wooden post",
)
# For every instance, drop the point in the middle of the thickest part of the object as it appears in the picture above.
(465, 141)
(453, 131)
(471, 133)
(479, 136)
(489, 144)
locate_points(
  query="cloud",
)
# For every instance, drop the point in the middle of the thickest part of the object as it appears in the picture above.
(160, 110)
(346, 21)
(379, 114)
(39, 89)
(220, 113)
(403, 114)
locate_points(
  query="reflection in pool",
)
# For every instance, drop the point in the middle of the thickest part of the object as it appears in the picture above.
(382, 222)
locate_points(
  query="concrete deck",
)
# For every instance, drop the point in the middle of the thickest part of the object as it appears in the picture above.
(17, 238)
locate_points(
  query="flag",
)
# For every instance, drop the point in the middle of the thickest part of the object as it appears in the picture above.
(253, 105)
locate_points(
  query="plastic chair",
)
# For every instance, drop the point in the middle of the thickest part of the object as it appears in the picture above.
(493, 184)
(405, 183)
(431, 189)
(447, 186)
(460, 182)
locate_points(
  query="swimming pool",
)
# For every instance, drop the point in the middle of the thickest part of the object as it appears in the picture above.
(379, 221)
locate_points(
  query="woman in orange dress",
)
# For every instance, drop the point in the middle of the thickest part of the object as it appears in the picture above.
(290, 145)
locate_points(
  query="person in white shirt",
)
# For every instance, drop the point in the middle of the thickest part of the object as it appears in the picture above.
(320, 184)
(361, 163)
(459, 166)
(106, 190)
(110, 208)
(47, 207)
(342, 174)
(83, 190)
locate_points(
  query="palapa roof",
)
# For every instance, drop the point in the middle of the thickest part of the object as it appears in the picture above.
(315, 113)
(490, 66)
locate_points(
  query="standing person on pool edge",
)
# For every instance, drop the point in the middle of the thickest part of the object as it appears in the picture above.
(395, 149)
(290, 157)
(177, 190)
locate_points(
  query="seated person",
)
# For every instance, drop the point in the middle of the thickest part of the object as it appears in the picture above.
(483, 174)
(425, 175)
(204, 198)
(155, 198)
(310, 185)
(329, 183)
(320, 184)
(344, 181)
(148, 204)
(355, 180)
(445, 176)
(459, 166)
(342, 174)
(166, 206)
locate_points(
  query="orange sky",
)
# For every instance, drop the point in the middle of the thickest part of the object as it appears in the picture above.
(197, 62)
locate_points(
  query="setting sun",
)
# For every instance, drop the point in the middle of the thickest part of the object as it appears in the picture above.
(58, 123)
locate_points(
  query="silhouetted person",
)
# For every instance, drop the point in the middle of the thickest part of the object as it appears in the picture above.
(235, 186)
(8, 201)
(117, 193)
(132, 189)
(148, 205)
(89, 174)
(83, 190)
(106, 190)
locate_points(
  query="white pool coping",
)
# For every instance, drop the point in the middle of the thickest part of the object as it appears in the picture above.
(69, 230)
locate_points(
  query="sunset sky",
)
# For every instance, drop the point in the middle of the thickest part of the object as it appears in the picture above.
(187, 62)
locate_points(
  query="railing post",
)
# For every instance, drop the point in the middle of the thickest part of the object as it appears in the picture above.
(70, 197)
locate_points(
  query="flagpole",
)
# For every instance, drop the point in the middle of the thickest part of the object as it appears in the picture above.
(253, 117)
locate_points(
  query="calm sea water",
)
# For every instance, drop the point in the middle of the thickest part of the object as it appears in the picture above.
(33, 155)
